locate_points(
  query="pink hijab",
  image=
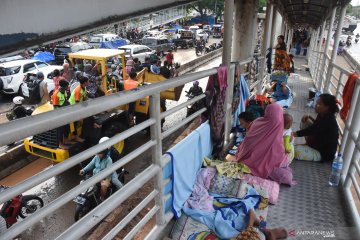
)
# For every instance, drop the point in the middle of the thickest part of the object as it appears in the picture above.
(263, 148)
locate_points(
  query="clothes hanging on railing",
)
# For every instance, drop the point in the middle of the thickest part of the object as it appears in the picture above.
(216, 91)
(244, 95)
(347, 95)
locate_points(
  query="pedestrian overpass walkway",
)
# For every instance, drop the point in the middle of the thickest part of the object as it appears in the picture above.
(311, 205)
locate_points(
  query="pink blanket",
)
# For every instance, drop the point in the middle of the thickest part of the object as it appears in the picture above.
(200, 198)
(271, 187)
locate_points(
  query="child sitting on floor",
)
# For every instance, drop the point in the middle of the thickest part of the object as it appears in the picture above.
(288, 139)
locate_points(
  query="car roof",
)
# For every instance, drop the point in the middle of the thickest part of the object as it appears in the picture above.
(132, 46)
(96, 54)
(104, 35)
(17, 62)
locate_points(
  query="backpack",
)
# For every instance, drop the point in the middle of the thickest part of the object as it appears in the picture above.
(34, 91)
(257, 105)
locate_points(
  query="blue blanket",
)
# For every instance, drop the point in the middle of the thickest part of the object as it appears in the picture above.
(187, 157)
(227, 221)
(244, 95)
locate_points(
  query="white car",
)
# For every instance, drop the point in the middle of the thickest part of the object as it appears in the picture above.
(137, 51)
(12, 74)
(97, 39)
(201, 33)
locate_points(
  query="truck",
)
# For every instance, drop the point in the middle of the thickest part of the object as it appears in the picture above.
(161, 45)
(46, 144)
(187, 39)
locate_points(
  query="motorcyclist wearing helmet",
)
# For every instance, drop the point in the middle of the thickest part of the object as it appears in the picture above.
(100, 162)
(201, 42)
(195, 90)
(18, 111)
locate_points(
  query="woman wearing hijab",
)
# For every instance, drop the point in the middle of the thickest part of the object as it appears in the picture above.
(263, 148)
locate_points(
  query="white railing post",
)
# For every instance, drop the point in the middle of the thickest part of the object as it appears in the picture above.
(352, 124)
(228, 103)
(337, 95)
(335, 47)
(327, 46)
(156, 153)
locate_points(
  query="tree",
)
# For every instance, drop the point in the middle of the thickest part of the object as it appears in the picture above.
(262, 4)
(204, 7)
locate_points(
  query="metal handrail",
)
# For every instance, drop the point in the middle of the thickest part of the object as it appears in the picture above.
(39, 123)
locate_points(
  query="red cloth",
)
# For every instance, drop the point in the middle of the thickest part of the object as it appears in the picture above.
(347, 95)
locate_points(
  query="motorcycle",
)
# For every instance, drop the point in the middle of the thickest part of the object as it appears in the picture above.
(207, 49)
(192, 108)
(90, 199)
(20, 206)
(199, 49)
(213, 47)
(348, 43)
(15, 115)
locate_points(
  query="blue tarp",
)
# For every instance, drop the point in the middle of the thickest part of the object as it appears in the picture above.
(113, 44)
(44, 56)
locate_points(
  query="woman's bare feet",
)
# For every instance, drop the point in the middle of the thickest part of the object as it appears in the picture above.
(275, 233)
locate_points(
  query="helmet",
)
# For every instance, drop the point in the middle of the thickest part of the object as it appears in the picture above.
(105, 151)
(18, 100)
(103, 139)
(196, 83)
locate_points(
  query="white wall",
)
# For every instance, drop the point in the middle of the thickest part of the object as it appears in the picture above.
(47, 16)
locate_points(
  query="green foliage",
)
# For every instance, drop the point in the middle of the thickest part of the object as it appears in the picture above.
(205, 7)
(262, 3)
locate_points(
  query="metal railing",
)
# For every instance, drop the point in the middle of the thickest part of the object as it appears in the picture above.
(22, 128)
(349, 130)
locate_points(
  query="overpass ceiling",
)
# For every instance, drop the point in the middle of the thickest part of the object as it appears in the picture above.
(30, 23)
(308, 12)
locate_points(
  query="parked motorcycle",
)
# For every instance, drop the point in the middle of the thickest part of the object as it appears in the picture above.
(19, 111)
(90, 199)
(348, 43)
(207, 50)
(199, 50)
(19, 206)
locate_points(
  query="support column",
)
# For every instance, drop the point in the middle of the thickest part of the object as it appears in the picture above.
(335, 47)
(266, 38)
(226, 59)
(244, 29)
(267, 29)
(228, 26)
(327, 46)
(289, 39)
(273, 27)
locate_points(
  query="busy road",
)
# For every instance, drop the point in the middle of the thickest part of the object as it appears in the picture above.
(53, 225)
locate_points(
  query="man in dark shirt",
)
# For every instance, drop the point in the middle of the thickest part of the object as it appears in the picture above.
(146, 64)
(164, 70)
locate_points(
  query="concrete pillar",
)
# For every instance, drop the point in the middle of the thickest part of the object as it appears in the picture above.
(267, 28)
(244, 29)
(273, 27)
(228, 26)
(335, 47)
(289, 39)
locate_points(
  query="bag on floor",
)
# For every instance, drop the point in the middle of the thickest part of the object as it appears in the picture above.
(257, 105)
